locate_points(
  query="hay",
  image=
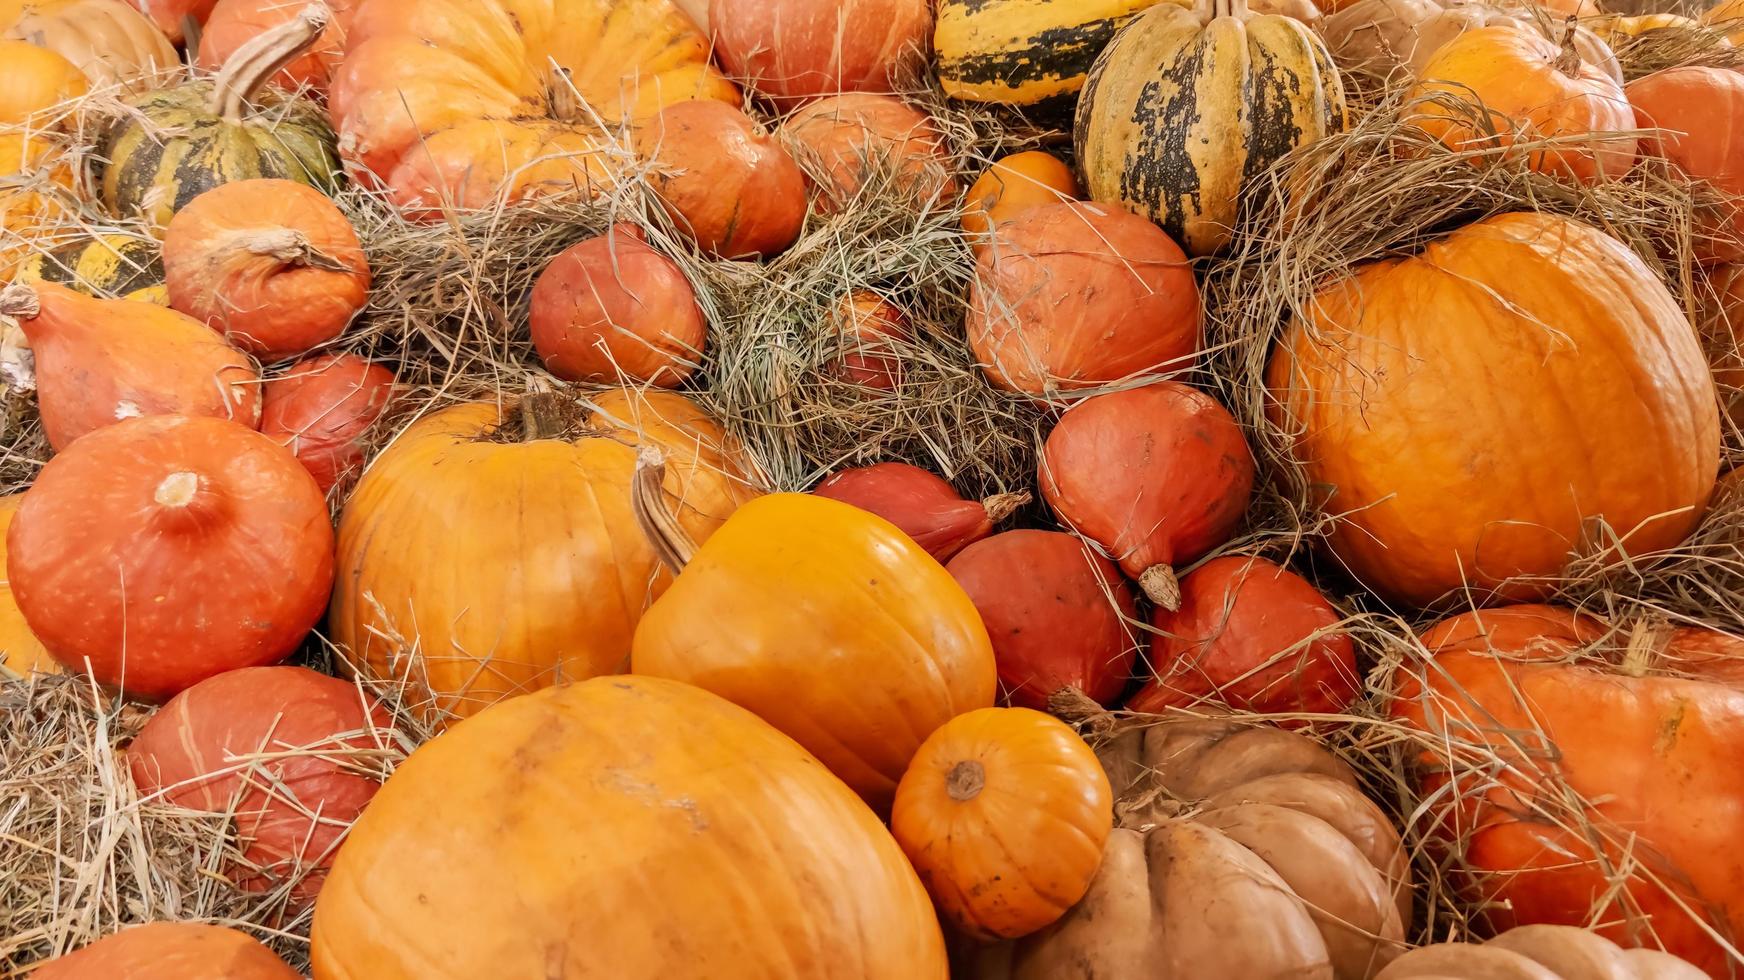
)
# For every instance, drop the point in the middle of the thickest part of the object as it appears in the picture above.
(1675, 47)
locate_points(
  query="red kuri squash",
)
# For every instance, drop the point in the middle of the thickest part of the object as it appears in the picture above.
(161, 551)
(234, 23)
(922, 505)
(791, 50)
(843, 141)
(321, 408)
(170, 951)
(725, 180)
(867, 322)
(1698, 117)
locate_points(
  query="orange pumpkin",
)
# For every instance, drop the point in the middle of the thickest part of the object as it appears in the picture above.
(921, 505)
(21, 653)
(724, 179)
(1004, 812)
(1491, 362)
(712, 843)
(36, 80)
(826, 621)
(170, 951)
(1253, 636)
(1014, 184)
(234, 23)
(1157, 476)
(1057, 613)
(455, 104)
(173, 16)
(1695, 112)
(1615, 800)
(843, 140)
(1071, 296)
(611, 308)
(278, 747)
(792, 50)
(271, 264)
(1531, 89)
(322, 408)
(1726, 15)
(869, 322)
(99, 361)
(524, 510)
(161, 551)
(1724, 334)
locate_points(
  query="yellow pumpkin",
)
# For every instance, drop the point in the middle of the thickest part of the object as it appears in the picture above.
(36, 79)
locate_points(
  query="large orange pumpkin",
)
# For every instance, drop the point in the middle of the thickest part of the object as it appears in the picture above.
(453, 103)
(726, 181)
(161, 551)
(234, 23)
(1531, 89)
(271, 264)
(1057, 613)
(490, 550)
(922, 505)
(21, 652)
(624, 827)
(282, 749)
(1616, 799)
(1015, 184)
(793, 50)
(99, 361)
(1697, 115)
(321, 409)
(826, 621)
(1004, 812)
(1072, 296)
(1157, 476)
(170, 951)
(844, 140)
(1465, 410)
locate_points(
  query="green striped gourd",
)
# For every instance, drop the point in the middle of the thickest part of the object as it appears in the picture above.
(179, 142)
(1024, 52)
(1184, 106)
(107, 266)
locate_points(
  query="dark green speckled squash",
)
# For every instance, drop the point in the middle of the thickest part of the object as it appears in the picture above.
(1032, 53)
(1184, 106)
(107, 266)
(179, 142)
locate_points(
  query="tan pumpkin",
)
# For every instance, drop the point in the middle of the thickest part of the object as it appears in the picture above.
(110, 41)
(1541, 952)
(1238, 851)
(1386, 36)
(490, 550)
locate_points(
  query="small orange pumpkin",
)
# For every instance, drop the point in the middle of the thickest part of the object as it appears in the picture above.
(1014, 184)
(1004, 813)
(611, 308)
(170, 951)
(1525, 81)
(36, 79)
(791, 50)
(321, 408)
(99, 361)
(724, 179)
(271, 264)
(842, 140)
(869, 320)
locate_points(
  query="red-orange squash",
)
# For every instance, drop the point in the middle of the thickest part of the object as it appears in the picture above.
(847, 141)
(712, 843)
(868, 322)
(173, 16)
(21, 652)
(322, 408)
(1491, 363)
(284, 749)
(170, 951)
(1532, 89)
(1071, 296)
(161, 551)
(490, 549)
(792, 50)
(1057, 613)
(1597, 783)
(1253, 636)
(234, 23)
(271, 264)
(457, 104)
(724, 179)
(100, 361)
(826, 621)
(611, 308)
(923, 506)
(1015, 184)
(1697, 115)
(1157, 476)
(1004, 813)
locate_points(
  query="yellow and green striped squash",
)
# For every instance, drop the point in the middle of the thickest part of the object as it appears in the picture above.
(110, 266)
(1185, 106)
(1032, 53)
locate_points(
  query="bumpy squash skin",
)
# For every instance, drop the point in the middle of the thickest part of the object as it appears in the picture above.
(1181, 109)
(1034, 53)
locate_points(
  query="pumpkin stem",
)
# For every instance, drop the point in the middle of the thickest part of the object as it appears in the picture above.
(674, 546)
(1003, 505)
(262, 57)
(966, 780)
(1161, 586)
(1569, 61)
(546, 415)
(561, 100)
(288, 246)
(184, 499)
(19, 300)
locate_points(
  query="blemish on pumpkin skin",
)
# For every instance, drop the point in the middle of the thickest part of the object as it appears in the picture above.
(1666, 738)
